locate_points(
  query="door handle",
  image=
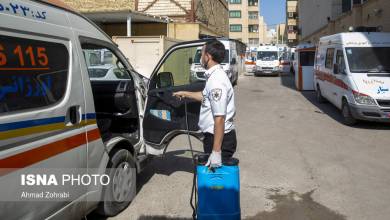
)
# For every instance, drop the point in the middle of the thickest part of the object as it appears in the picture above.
(73, 115)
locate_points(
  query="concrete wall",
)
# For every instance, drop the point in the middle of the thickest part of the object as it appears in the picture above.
(101, 5)
(214, 14)
(315, 13)
(372, 13)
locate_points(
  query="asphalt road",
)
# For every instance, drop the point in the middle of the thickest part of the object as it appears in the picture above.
(297, 161)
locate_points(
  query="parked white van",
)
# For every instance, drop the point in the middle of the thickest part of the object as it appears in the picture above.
(267, 60)
(232, 64)
(55, 117)
(352, 71)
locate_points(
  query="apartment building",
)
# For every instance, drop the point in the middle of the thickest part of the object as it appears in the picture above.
(178, 19)
(337, 16)
(292, 22)
(245, 22)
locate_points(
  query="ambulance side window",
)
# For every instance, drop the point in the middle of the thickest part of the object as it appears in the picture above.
(103, 64)
(340, 61)
(33, 73)
(329, 58)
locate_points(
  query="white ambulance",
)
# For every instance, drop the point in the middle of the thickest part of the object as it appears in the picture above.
(233, 64)
(59, 119)
(352, 71)
(267, 62)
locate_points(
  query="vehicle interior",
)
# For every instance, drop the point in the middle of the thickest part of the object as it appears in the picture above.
(114, 94)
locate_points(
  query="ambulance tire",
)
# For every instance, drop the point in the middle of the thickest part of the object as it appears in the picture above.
(319, 96)
(348, 118)
(234, 83)
(117, 196)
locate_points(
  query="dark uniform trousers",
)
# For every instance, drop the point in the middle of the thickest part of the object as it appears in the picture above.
(229, 144)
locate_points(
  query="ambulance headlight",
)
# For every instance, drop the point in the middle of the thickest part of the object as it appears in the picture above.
(363, 99)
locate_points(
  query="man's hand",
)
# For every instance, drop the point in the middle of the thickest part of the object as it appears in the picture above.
(197, 96)
(215, 160)
(180, 94)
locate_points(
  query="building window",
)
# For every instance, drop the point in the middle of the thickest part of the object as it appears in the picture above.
(292, 15)
(235, 1)
(253, 28)
(346, 5)
(235, 14)
(253, 2)
(292, 28)
(235, 28)
(253, 15)
(254, 41)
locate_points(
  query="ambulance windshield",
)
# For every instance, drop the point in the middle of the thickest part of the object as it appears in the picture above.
(267, 55)
(368, 59)
(198, 55)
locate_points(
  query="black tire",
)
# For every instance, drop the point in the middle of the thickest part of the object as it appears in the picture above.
(234, 83)
(112, 203)
(348, 118)
(319, 96)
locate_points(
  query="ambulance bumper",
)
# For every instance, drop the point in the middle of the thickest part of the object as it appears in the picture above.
(370, 113)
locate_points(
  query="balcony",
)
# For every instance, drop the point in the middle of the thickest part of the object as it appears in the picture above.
(292, 36)
(253, 35)
(292, 22)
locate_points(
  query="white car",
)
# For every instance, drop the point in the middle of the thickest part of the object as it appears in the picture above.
(352, 71)
(106, 72)
(232, 64)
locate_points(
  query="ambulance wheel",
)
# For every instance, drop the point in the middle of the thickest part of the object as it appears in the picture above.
(348, 118)
(121, 190)
(235, 83)
(319, 96)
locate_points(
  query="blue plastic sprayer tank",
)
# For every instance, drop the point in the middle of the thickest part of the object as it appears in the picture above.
(219, 191)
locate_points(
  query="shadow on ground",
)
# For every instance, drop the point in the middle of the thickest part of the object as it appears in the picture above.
(335, 114)
(171, 162)
(287, 206)
(328, 108)
(287, 80)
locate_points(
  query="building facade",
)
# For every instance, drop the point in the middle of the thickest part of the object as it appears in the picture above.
(178, 19)
(292, 22)
(245, 22)
(209, 16)
(314, 14)
(342, 15)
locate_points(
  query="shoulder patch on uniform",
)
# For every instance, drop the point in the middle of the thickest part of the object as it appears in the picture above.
(216, 94)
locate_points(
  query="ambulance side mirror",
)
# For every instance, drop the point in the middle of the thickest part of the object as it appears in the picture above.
(234, 61)
(190, 61)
